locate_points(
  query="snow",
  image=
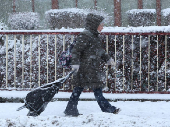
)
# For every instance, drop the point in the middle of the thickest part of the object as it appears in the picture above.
(146, 29)
(141, 29)
(134, 113)
(141, 11)
(76, 11)
(24, 20)
(2, 26)
(89, 95)
(166, 12)
(68, 10)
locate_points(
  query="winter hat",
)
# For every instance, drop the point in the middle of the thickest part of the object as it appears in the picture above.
(93, 21)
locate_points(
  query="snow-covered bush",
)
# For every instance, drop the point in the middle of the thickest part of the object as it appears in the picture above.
(166, 16)
(68, 18)
(24, 21)
(141, 17)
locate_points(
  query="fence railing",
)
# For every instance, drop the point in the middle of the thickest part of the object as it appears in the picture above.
(30, 59)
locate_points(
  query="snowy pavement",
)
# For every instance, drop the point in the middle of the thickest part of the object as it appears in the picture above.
(134, 113)
(90, 96)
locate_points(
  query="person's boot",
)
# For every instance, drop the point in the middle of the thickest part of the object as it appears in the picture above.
(117, 110)
(71, 112)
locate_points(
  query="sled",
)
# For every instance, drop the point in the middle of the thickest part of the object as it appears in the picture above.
(37, 100)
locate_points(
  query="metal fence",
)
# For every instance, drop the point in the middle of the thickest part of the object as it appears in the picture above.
(30, 59)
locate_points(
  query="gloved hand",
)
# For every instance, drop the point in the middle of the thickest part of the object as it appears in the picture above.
(75, 67)
(111, 62)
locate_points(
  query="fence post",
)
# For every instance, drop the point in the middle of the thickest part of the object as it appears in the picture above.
(140, 63)
(6, 61)
(132, 67)
(157, 61)
(165, 60)
(15, 61)
(47, 58)
(76, 3)
(63, 50)
(14, 6)
(115, 62)
(117, 13)
(55, 56)
(107, 40)
(55, 4)
(148, 63)
(140, 4)
(30, 61)
(72, 75)
(22, 61)
(39, 67)
(123, 62)
(33, 6)
(158, 12)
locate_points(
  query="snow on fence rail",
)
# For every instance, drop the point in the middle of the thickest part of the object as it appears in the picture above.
(141, 55)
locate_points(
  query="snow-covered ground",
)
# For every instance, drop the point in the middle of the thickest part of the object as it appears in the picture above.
(137, 114)
(134, 113)
(90, 95)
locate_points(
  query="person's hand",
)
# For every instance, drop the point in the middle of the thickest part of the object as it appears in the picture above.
(111, 62)
(75, 67)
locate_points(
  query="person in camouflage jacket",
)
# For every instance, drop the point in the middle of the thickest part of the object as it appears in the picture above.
(87, 56)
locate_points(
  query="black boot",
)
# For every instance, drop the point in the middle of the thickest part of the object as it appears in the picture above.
(71, 110)
(117, 110)
(72, 114)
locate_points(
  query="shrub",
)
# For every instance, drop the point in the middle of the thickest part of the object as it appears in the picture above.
(68, 18)
(24, 21)
(141, 17)
(166, 16)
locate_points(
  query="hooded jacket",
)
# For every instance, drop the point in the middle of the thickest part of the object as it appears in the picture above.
(89, 54)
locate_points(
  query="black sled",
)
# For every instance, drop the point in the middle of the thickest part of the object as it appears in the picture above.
(37, 100)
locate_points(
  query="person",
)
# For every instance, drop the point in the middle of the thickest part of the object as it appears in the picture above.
(87, 56)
